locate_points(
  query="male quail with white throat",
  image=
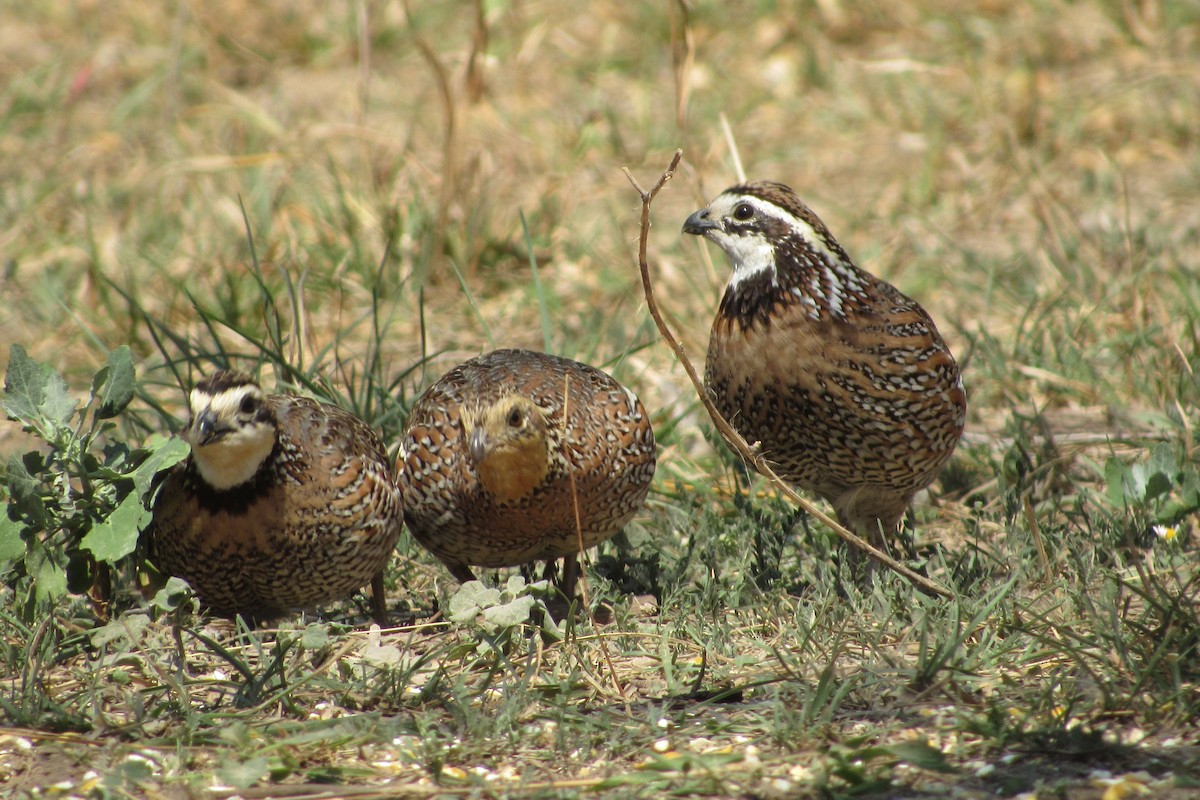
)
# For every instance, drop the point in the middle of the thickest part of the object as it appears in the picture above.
(285, 503)
(842, 380)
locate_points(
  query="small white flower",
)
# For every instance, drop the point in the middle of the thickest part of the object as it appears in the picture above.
(1168, 533)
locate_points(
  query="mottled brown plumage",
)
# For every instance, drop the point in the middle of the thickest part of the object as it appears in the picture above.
(284, 504)
(516, 456)
(843, 380)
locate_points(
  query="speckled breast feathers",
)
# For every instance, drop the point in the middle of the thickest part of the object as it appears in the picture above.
(516, 456)
(285, 503)
(843, 380)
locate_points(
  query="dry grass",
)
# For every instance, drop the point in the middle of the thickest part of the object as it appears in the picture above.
(1000, 164)
(1027, 171)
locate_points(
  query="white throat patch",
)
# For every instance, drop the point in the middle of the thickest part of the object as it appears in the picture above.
(235, 458)
(750, 256)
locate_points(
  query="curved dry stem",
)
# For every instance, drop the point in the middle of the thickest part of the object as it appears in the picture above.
(734, 439)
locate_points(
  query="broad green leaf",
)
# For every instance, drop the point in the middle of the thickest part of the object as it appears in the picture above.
(1161, 471)
(381, 655)
(315, 636)
(49, 579)
(130, 774)
(244, 774)
(920, 754)
(12, 545)
(114, 461)
(1188, 501)
(116, 536)
(33, 392)
(470, 598)
(118, 384)
(127, 627)
(1139, 479)
(22, 380)
(1162, 459)
(510, 614)
(515, 585)
(172, 594)
(165, 452)
(1157, 485)
(1119, 480)
(24, 489)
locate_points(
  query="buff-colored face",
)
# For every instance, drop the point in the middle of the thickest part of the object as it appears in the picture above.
(508, 445)
(232, 431)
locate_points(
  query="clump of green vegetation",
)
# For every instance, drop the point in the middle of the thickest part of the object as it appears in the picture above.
(76, 504)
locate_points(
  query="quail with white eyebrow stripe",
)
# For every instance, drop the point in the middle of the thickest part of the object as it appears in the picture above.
(285, 503)
(842, 380)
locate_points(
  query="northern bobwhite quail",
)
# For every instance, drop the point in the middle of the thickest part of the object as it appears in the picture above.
(517, 456)
(285, 503)
(843, 380)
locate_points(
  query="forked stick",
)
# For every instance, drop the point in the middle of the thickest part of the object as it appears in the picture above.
(731, 436)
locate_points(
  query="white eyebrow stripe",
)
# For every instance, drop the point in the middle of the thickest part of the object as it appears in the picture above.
(832, 273)
(801, 226)
(224, 404)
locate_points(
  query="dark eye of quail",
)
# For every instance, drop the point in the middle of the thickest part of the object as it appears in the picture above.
(249, 404)
(514, 418)
(743, 212)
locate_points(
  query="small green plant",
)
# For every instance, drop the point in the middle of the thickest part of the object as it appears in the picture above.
(1155, 494)
(855, 767)
(75, 505)
(497, 615)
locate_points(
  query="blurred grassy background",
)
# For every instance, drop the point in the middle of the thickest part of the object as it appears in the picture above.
(1027, 171)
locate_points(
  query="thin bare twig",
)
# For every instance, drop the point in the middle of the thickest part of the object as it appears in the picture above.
(734, 439)
(580, 558)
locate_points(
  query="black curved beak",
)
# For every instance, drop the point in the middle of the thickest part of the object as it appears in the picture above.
(206, 429)
(700, 223)
(477, 445)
